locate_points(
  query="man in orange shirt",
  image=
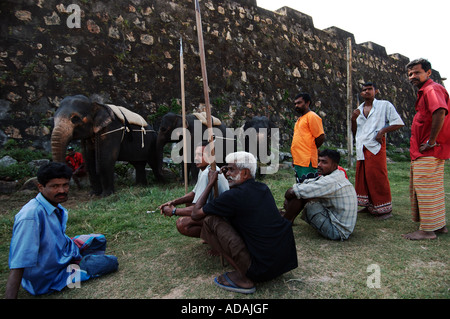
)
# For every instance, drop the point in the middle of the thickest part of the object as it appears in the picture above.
(308, 137)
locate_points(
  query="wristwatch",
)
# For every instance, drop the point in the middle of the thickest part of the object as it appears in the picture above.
(431, 145)
(174, 211)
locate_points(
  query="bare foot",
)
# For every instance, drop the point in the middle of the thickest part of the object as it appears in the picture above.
(442, 230)
(419, 235)
(384, 216)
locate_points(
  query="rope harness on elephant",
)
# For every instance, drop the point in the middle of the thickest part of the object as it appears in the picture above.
(123, 129)
(124, 115)
(126, 129)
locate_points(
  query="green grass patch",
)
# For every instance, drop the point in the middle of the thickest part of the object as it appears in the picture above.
(155, 261)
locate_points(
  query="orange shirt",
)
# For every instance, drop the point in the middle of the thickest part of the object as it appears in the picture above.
(303, 148)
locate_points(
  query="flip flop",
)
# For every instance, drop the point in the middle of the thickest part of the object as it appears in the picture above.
(233, 287)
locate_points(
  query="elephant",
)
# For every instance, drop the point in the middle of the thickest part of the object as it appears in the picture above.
(258, 139)
(106, 138)
(224, 144)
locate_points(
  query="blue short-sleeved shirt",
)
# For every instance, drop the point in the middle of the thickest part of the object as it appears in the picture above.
(40, 246)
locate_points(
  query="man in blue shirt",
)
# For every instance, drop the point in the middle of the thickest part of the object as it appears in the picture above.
(40, 251)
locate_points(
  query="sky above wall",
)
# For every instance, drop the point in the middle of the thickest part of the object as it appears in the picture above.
(413, 28)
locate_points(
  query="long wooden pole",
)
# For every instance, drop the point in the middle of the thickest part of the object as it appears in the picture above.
(205, 87)
(183, 112)
(349, 103)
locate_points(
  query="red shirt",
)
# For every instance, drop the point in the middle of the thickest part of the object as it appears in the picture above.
(431, 97)
(74, 161)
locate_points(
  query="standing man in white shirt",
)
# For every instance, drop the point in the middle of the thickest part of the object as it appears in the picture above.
(370, 122)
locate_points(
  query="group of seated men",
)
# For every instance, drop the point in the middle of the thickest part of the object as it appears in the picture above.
(243, 224)
(239, 219)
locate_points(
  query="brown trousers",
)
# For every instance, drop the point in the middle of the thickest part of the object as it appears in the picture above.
(222, 237)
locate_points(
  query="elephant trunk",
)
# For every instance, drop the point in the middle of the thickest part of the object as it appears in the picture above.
(61, 136)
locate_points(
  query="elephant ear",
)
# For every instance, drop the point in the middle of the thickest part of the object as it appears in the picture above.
(103, 116)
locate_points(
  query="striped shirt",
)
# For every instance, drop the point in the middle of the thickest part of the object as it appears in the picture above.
(337, 194)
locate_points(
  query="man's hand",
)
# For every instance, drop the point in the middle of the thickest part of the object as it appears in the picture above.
(355, 114)
(379, 137)
(162, 206)
(167, 210)
(290, 194)
(213, 176)
(425, 147)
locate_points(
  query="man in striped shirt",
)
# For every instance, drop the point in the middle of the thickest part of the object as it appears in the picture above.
(328, 202)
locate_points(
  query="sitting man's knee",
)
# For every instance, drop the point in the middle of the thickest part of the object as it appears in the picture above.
(182, 223)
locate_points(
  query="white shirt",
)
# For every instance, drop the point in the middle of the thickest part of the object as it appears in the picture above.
(382, 114)
(202, 182)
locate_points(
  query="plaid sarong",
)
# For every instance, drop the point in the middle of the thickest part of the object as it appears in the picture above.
(94, 262)
(90, 244)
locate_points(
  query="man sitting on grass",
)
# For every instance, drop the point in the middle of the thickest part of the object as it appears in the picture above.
(245, 226)
(41, 255)
(185, 224)
(329, 201)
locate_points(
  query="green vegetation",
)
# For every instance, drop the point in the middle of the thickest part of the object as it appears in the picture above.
(23, 155)
(155, 261)
(174, 107)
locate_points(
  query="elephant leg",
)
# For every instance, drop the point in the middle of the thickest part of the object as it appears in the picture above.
(107, 176)
(157, 172)
(141, 177)
(94, 178)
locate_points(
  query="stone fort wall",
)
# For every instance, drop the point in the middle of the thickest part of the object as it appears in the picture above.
(127, 53)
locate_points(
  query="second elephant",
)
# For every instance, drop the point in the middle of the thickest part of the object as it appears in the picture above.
(225, 142)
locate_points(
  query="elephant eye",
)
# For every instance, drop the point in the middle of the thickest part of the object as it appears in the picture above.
(76, 119)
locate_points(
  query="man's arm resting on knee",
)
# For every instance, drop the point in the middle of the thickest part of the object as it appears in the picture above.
(13, 284)
(186, 199)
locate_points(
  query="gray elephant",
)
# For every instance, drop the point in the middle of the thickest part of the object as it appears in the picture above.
(106, 137)
(262, 126)
(259, 141)
(225, 142)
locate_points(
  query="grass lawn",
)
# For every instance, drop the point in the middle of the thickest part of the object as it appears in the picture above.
(155, 261)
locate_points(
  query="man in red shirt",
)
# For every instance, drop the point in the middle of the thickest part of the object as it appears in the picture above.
(75, 161)
(429, 148)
